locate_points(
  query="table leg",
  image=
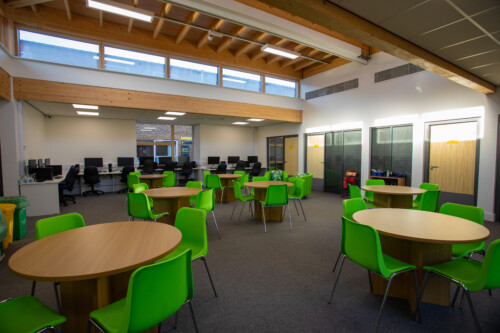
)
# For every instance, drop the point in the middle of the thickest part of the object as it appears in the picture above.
(392, 201)
(158, 182)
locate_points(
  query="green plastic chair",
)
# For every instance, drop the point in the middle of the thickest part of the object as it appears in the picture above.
(53, 225)
(239, 172)
(205, 174)
(155, 292)
(259, 179)
(27, 314)
(138, 205)
(362, 246)
(166, 172)
(133, 178)
(192, 223)
(170, 180)
(297, 195)
(206, 201)
(368, 194)
(213, 182)
(276, 195)
(138, 188)
(267, 175)
(193, 184)
(354, 192)
(429, 201)
(425, 186)
(241, 198)
(471, 213)
(308, 177)
(470, 275)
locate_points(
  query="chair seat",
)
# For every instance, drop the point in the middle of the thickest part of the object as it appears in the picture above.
(245, 198)
(394, 265)
(462, 250)
(464, 270)
(110, 317)
(27, 314)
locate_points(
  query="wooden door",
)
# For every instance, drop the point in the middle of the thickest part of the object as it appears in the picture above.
(452, 158)
(291, 155)
(315, 163)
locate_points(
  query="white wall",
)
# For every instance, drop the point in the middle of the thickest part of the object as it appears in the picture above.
(33, 126)
(411, 96)
(70, 139)
(224, 141)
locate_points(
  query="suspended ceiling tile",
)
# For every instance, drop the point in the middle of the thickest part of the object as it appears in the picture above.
(489, 73)
(489, 20)
(472, 7)
(449, 35)
(481, 60)
(377, 11)
(468, 49)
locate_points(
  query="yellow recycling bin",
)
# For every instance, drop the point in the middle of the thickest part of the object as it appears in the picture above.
(8, 212)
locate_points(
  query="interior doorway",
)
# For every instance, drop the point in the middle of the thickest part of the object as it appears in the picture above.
(315, 159)
(452, 163)
(291, 155)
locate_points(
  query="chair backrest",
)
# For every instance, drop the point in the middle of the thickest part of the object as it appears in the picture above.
(354, 192)
(276, 195)
(168, 172)
(240, 165)
(257, 166)
(239, 172)
(53, 225)
(308, 178)
(221, 168)
(425, 186)
(72, 176)
(489, 275)
(206, 200)
(429, 201)
(362, 245)
(170, 180)
(298, 188)
(136, 173)
(138, 205)
(259, 179)
(471, 213)
(138, 188)
(90, 175)
(284, 176)
(192, 223)
(169, 166)
(237, 190)
(149, 166)
(194, 184)
(267, 174)
(213, 181)
(368, 194)
(187, 169)
(244, 179)
(205, 174)
(66, 179)
(125, 172)
(352, 206)
(157, 291)
(132, 179)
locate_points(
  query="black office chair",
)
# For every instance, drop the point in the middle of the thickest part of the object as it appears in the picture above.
(67, 184)
(149, 166)
(187, 170)
(240, 166)
(91, 177)
(169, 166)
(221, 169)
(125, 171)
(256, 168)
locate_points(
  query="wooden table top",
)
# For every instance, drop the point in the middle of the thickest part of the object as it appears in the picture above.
(393, 190)
(95, 251)
(171, 192)
(229, 176)
(263, 185)
(417, 225)
(153, 176)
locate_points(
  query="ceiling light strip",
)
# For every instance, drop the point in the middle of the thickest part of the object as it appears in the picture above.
(121, 9)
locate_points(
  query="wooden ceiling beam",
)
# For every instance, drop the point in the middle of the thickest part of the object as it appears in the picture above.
(164, 13)
(206, 35)
(192, 17)
(249, 46)
(303, 64)
(33, 8)
(130, 24)
(68, 9)
(228, 40)
(319, 68)
(327, 18)
(24, 3)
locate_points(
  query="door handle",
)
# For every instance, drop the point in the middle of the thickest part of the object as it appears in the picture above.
(434, 167)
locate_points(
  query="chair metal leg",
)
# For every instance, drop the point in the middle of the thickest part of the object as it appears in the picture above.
(264, 216)
(384, 301)
(192, 316)
(415, 280)
(337, 279)
(489, 292)
(234, 207)
(419, 299)
(295, 204)
(336, 262)
(370, 280)
(33, 288)
(209, 276)
(300, 203)
(289, 216)
(455, 297)
(58, 303)
(176, 318)
(241, 211)
(473, 312)
(216, 226)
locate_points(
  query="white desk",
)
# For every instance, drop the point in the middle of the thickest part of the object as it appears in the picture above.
(42, 196)
(103, 185)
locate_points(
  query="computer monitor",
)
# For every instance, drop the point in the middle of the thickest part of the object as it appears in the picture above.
(233, 159)
(182, 159)
(47, 162)
(164, 159)
(93, 162)
(143, 159)
(31, 166)
(43, 174)
(56, 169)
(125, 161)
(213, 159)
(40, 163)
(252, 159)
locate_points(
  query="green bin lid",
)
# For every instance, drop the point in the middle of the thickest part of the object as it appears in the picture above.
(21, 201)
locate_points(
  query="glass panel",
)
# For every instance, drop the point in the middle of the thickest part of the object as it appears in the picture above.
(193, 72)
(271, 152)
(333, 162)
(280, 153)
(281, 87)
(156, 140)
(183, 142)
(241, 80)
(60, 50)
(352, 152)
(381, 149)
(121, 60)
(402, 149)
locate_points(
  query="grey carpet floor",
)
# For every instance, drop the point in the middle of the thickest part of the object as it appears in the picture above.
(277, 281)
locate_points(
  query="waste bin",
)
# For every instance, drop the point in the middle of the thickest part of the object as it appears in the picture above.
(21, 202)
(8, 212)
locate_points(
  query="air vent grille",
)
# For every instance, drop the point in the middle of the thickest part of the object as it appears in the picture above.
(395, 72)
(339, 87)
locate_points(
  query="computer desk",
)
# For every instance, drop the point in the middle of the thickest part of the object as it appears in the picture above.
(111, 175)
(42, 196)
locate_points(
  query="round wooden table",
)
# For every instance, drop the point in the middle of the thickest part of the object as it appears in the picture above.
(153, 181)
(93, 263)
(170, 199)
(260, 191)
(419, 238)
(226, 180)
(389, 196)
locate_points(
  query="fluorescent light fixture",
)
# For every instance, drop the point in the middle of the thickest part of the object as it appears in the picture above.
(87, 107)
(174, 113)
(121, 9)
(255, 119)
(87, 113)
(280, 51)
(166, 118)
(240, 123)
